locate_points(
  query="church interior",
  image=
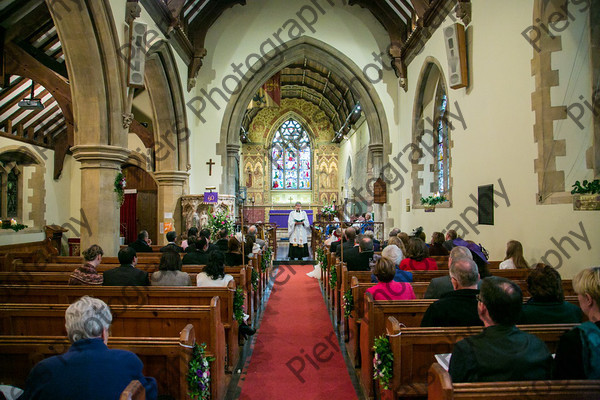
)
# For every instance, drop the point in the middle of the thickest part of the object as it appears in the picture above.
(475, 116)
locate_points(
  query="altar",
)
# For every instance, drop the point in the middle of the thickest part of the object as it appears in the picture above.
(280, 217)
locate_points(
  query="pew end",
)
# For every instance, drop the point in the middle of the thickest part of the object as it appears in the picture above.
(133, 391)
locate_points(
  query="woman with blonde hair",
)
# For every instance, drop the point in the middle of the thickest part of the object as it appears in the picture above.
(87, 274)
(578, 352)
(514, 256)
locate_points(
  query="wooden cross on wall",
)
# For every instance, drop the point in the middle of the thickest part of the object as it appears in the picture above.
(210, 163)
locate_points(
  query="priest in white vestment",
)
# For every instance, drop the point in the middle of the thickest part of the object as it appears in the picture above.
(297, 232)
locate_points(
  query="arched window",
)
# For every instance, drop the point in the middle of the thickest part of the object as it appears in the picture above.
(12, 195)
(291, 157)
(441, 143)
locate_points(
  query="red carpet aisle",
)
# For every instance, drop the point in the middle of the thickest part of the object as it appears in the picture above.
(296, 353)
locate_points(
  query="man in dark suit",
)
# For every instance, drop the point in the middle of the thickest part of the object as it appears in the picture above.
(89, 369)
(126, 274)
(222, 241)
(350, 235)
(450, 236)
(360, 261)
(200, 254)
(172, 246)
(142, 244)
(501, 352)
(459, 307)
(205, 233)
(443, 284)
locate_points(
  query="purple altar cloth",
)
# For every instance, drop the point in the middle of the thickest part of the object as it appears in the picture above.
(280, 217)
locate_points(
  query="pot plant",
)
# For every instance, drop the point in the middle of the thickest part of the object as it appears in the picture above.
(430, 202)
(586, 195)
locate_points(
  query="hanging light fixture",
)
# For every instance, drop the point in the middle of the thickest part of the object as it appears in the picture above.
(31, 103)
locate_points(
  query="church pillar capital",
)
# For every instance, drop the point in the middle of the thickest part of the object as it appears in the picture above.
(233, 148)
(100, 156)
(376, 149)
(173, 178)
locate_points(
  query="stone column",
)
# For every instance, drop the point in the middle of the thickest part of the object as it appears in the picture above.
(100, 215)
(233, 156)
(171, 186)
(376, 151)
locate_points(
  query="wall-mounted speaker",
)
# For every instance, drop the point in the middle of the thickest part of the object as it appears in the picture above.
(456, 51)
(137, 55)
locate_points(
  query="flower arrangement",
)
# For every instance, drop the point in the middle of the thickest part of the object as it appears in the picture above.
(120, 184)
(333, 277)
(432, 200)
(217, 221)
(254, 279)
(266, 258)
(238, 305)
(348, 303)
(586, 187)
(383, 361)
(328, 210)
(12, 224)
(198, 376)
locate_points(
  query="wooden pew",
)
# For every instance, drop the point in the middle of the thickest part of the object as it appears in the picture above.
(441, 388)
(414, 350)
(164, 358)
(132, 297)
(133, 391)
(512, 274)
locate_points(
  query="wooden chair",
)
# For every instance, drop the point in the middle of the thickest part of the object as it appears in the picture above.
(133, 391)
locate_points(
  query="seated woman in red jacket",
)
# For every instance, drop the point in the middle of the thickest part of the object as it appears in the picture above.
(387, 288)
(417, 255)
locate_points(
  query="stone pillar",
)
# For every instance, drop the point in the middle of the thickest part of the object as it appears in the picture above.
(171, 186)
(100, 215)
(376, 151)
(233, 157)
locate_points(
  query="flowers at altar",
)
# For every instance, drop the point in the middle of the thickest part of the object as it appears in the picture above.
(219, 220)
(12, 224)
(432, 200)
(198, 376)
(120, 185)
(383, 361)
(328, 210)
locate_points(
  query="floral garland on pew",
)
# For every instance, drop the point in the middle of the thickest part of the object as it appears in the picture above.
(383, 361)
(238, 305)
(321, 257)
(198, 376)
(266, 259)
(348, 303)
(254, 279)
(332, 277)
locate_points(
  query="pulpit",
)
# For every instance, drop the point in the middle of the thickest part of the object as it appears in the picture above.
(195, 211)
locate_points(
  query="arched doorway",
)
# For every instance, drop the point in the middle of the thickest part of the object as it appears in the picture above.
(140, 208)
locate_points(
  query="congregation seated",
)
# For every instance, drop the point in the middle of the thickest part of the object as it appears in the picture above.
(198, 254)
(142, 244)
(359, 257)
(89, 369)
(171, 245)
(578, 351)
(169, 271)
(87, 274)
(396, 241)
(478, 256)
(458, 307)
(547, 304)
(253, 231)
(205, 233)
(234, 254)
(514, 256)
(126, 274)
(349, 235)
(334, 238)
(214, 274)
(376, 243)
(387, 288)
(221, 243)
(436, 247)
(501, 352)
(393, 233)
(395, 254)
(250, 247)
(451, 235)
(191, 233)
(443, 284)
(417, 257)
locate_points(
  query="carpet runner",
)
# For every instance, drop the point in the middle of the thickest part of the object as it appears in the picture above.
(296, 353)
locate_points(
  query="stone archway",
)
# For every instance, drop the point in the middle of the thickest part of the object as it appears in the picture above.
(171, 133)
(329, 57)
(89, 41)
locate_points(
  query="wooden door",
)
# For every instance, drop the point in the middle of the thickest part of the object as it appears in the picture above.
(146, 217)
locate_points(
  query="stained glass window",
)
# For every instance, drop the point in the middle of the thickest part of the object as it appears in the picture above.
(441, 143)
(291, 157)
(12, 195)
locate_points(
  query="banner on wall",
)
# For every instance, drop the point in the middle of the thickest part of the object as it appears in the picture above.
(211, 197)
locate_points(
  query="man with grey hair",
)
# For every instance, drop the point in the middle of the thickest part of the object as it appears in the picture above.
(376, 243)
(253, 231)
(443, 284)
(393, 233)
(459, 307)
(89, 369)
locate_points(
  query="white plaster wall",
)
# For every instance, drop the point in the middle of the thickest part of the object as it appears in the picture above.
(497, 143)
